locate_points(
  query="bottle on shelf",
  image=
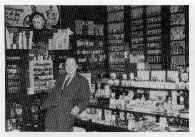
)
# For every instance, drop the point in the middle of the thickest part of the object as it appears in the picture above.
(163, 124)
(131, 121)
(20, 41)
(30, 40)
(8, 39)
(113, 119)
(24, 40)
(112, 102)
(122, 101)
(14, 46)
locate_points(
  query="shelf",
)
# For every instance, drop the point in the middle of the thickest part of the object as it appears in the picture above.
(177, 25)
(137, 30)
(116, 45)
(114, 11)
(115, 50)
(116, 39)
(159, 114)
(178, 12)
(154, 48)
(8, 26)
(177, 40)
(134, 24)
(92, 126)
(88, 37)
(179, 65)
(154, 22)
(18, 27)
(151, 35)
(121, 88)
(153, 54)
(19, 52)
(80, 55)
(133, 36)
(38, 94)
(118, 63)
(118, 21)
(92, 64)
(155, 63)
(153, 41)
(181, 54)
(138, 49)
(137, 7)
(140, 18)
(15, 96)
(137, 43)
(16, 75)
(60, 52)
(153, 28)
(152, 16)
(90, 47)
(110, 33)
(20, 62)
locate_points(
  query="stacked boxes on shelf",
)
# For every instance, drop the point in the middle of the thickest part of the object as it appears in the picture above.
(15, 120)
(136, 39)
(40, 74)
(20, 72)
(153, 34)
(88, 28)
(115, 34)
(14, 78)
(137, 31)
(114, 118)
(60, 40)
(18, 39)
(178, 36)
(89, 39)
(145, 36)
(16, 71)
(145, 96)
(16, 84)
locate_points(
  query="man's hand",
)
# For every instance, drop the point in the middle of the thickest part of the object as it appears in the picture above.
(75, 111)
(52, 83)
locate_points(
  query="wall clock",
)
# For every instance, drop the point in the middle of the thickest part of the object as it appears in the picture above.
(38, 21)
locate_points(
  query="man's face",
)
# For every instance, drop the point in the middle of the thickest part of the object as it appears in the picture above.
(71, 66)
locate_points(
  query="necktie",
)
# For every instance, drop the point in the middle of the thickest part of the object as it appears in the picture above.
(66, 81)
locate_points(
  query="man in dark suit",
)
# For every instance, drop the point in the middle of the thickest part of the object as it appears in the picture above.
(69, 98)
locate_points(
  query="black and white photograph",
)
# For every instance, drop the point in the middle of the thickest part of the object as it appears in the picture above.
(96, 68)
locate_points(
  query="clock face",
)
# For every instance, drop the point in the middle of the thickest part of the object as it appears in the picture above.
(38, 22)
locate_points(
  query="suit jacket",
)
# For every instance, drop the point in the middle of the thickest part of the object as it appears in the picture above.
(60, 102)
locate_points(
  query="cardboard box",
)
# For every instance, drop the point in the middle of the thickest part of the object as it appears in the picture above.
(158, 75)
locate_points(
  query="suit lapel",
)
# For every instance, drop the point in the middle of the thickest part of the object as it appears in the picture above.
(73, 80)
(61, 80)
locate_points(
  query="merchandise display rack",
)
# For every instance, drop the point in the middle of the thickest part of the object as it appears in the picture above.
(179, 38)
(157, 114)
(162, 14)
(116, 38)
(19, 104)
(152, 21)
(90, 49)
(93, 126)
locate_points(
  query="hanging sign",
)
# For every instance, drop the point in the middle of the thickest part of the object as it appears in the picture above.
(18, 15)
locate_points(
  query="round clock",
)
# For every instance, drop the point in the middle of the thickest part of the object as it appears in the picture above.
(38, 21)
